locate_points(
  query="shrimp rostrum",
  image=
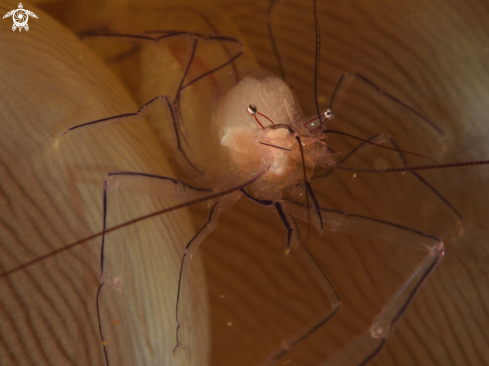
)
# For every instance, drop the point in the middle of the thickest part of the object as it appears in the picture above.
(238, 131)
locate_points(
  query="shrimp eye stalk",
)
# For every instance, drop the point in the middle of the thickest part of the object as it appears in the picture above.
(253, 111)
(320, 121)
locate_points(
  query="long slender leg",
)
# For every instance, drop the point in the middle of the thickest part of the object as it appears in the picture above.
(100, 324)
(459, 217)
(110, 298)
(163, 37)
(155, 185)
(183, 331)
(378, 138)
(348, 77)
(295, 245)
(155, 103)
(366, 346)
(159, 38)
(173, 36)
(111, 270)
(381, 138)
(171, 106)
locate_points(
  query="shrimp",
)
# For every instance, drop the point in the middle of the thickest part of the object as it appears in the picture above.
(312, 216)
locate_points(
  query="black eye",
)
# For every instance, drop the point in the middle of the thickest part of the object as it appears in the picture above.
(252, 109)
(329, 113)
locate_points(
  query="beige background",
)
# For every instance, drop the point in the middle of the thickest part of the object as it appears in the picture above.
(431, 54)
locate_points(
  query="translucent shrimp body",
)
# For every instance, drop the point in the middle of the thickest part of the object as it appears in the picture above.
(238, 146)
(276, 144)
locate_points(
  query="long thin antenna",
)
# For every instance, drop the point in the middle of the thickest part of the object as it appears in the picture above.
(318, 56)
(132, 222)
(378, 144)
(409, 168)
(271, 8)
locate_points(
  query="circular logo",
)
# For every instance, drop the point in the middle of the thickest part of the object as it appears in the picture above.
(20, 18)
